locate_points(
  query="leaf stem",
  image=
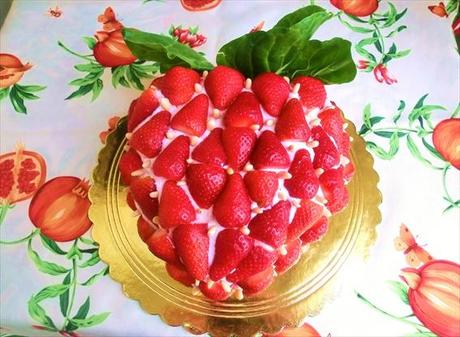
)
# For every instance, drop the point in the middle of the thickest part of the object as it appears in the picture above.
(3, 210)
(401, 319)
(72, 292)
(396, 129)
(444, 184)
(84, 57)
(380, 36)
(24, 239)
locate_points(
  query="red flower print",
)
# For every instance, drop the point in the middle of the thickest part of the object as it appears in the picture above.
(434, 294)
(188, 36)
(258, 27)
(439, 10)
(381, 74)
(362, 64)
(446, 140)
(356, 7)
(110, 49)
(112, 123)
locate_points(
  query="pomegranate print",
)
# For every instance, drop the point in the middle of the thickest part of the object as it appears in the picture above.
(60, 208)
(434, 295)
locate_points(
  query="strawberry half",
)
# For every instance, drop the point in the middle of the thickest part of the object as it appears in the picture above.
(272, 91)
(144, 229)
(175, 206)
(142, 108)
(233, 206)
(161, 246)
(149, 138)
(316, 231)
(129, 162)
(334, 189)
(261, 186)
(232, 246)
(178, 84)
(271, 225)
(205, 182)
(291, 124)
(269, 152)
(192, 246)
(238, 144)
(332, 123)
(178, 272)
(222, 85)
(256, 261)
(172, 161)
(312, 92)
(304, 183)
(284, 262)
(130, 201)
(211, 150)
(326, 154)
(257, 282)
(141, 189)
(244, 111)
(305, 217)
(192, 118)
(214, 291)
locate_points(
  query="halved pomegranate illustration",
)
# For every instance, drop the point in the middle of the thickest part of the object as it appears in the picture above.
(11, 70)
(21, 174)
(199, 5)
(60, 208)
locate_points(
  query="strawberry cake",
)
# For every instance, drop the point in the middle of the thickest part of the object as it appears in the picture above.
(233, 178)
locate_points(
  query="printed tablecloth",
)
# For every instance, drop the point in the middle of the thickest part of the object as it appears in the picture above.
(58, 104)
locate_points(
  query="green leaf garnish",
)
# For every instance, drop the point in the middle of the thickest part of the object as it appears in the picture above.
(286, 50)
(163, 49)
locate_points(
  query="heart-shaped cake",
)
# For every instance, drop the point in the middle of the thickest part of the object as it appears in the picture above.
(234, 177)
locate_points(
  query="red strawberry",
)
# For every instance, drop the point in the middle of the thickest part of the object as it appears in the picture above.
(312, 92)
(271, 225)
(178, 84)
(129, 162)
(348, 170)
(332, 123)
(192, 118)
(192, 246)
(257, 260)
(144, 229)
(178, 272)
(130, 201)
(161, 246)
(233, 206)
(291, 124)
(334, 189)
(172, 161)
(304, 182)
(205, 182)
(144, 106)
(262, 186)
(141, 189)
(130, 113)
(238, 144)
(148, 139)
(211, 150)
(272, 91)
(214, 291)
(258, 282)
(326, 154)
(232, 246)
(244, 111)
(175, 206)
(269, 152)
(305, 217)
(285, 262)
(222, 85)
(316, 232)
